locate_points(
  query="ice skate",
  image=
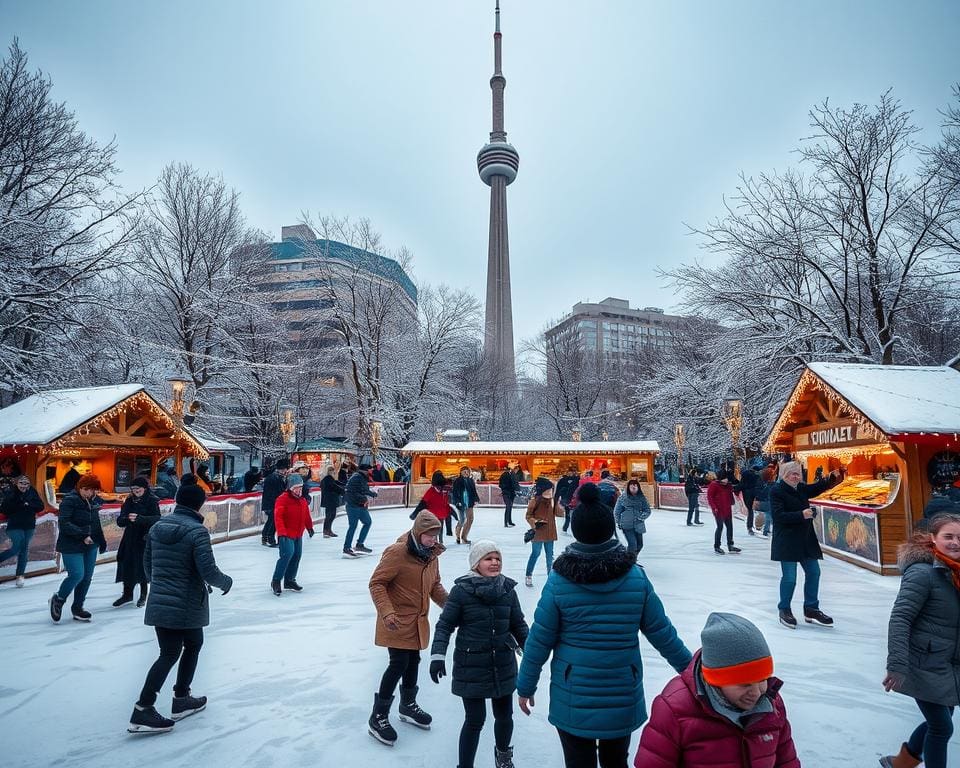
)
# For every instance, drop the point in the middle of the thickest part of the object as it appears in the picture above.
(184, 706)
(148, 720)
(788, 620)
(410, 711)
(378, 725)
(816, 616)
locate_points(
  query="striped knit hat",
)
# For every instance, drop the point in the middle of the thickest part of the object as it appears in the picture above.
(734, 651)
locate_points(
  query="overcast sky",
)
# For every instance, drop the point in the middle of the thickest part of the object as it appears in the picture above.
(631, 117)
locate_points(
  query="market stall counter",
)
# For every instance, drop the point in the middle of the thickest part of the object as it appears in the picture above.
(893, 433)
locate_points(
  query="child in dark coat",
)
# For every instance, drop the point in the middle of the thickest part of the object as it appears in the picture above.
(485, 607)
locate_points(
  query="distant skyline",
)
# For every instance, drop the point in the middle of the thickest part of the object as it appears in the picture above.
(633, 118)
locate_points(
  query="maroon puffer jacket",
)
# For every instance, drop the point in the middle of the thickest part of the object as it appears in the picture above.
(684, 730)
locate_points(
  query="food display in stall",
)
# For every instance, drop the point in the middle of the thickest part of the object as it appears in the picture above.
(863, 491)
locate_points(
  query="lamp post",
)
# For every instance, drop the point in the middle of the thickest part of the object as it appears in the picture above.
(288, 427)
(577, 433)
(733, 418)
(178, 387)
(474, 434)
(679, 439)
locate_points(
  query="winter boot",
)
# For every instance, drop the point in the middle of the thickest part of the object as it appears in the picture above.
(788, 620)
(148, 720)
(503, 758)
(816, 616)
(275, 586)
(56, 607)
(378, 725)
(901, 760)
(142, 600)
(81, 615)
(410, 711)
(184, 706)
(292, 585)
(126, 597)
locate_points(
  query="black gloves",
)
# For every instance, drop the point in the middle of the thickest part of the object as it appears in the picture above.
(310, 533)
(228, 587)
(438, 669)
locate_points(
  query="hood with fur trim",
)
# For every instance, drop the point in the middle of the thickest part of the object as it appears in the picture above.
(594, 563)
(912, 553)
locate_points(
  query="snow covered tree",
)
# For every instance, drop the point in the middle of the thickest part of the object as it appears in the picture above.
(61, 225)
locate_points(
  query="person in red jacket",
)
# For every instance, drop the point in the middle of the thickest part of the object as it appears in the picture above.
(720, 499)
(437, 501)
(724, 709)
(291, 515)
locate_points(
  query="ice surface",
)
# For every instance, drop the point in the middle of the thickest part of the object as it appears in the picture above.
(291, 679)
(899, 398)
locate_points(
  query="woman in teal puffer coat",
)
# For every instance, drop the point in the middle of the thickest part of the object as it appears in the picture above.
(592, 608)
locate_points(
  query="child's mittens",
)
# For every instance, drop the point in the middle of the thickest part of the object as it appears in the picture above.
(438, 669)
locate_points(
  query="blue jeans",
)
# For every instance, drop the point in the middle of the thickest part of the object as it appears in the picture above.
(930, 739)
(634, 541)
(19, 546)
(357, 515)
(289, 560)
(767, 520)
(536, 547)
(811, 584)
(79, 575)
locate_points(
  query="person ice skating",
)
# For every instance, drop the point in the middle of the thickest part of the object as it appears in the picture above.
(357, 495)
(724, 709)
(761, 500)
(542, 511)
(720, 498)
(590, 612)
(691, 488)
(80, 539)
(484, 610)
(20, 505)
(509, 488)
(404, 582)
(922, 642)
(795, 542)
(179, 564)
(465, 497)
(749, 480)
(273, 485)
(630, 512)
(292, 517)
(436, 501)
(331, 492)
(566, 487)
(140, 510)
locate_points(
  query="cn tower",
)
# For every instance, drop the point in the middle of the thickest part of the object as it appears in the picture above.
(497, 163)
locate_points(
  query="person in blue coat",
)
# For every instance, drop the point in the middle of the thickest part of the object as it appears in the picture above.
(594, 604)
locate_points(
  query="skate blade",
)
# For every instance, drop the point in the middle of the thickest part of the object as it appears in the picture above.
(147, 729)
(788, 626)
(405, 719)
(181, 715)
(818, 623)
(380, 738)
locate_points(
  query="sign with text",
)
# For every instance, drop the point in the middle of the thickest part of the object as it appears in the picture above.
(828, 435)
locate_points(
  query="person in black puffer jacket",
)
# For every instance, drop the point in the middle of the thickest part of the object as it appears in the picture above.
(485, 608)
(21, 504)
(179, 564)
(139, 512)
(80, 539)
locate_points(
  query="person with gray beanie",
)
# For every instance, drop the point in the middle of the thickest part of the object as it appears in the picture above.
(795, 542)
(484, 609)
(179, 565)
(596, 677)
(724, 708)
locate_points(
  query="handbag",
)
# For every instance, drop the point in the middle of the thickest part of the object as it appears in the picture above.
(528, 535)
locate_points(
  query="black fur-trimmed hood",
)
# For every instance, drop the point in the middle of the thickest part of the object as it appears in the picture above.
(581, 566)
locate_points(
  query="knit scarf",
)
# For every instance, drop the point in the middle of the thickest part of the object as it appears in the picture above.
(950, 563)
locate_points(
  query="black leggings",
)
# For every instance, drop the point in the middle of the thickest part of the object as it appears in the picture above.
(693, 508)
(508, 510)
(580, 752)
(329, 515)
(402, 669)
(474, 715)
(172, 642)
(720, 526)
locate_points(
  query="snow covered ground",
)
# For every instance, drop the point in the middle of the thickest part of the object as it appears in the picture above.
(291, 679)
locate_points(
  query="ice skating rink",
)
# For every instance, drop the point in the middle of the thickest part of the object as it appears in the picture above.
(291, 679)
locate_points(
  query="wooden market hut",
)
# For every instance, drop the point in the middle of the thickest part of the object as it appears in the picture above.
(321, 452)
(893, 430)
(114, 432)
(624, 460)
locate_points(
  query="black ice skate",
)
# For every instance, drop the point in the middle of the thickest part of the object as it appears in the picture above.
(503, 758)
(350, 554)
(816, 616)
(292, 585)
(719, 551)
(788, 620)
(378, 725)
(410, 711)
(362, 549)
(81, 615)
(275, 586)
(148, 720)
(734, 550)
(56, 607)
(184, 706)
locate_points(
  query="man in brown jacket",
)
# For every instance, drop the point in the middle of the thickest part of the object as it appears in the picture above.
(402, 585)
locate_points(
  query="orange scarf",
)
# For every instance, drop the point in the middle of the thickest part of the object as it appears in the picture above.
(953, 565)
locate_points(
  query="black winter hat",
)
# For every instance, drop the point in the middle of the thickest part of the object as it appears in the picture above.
(141, 482)
(591, 520)
(542, 484)
(282, 464)
(191, 495)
